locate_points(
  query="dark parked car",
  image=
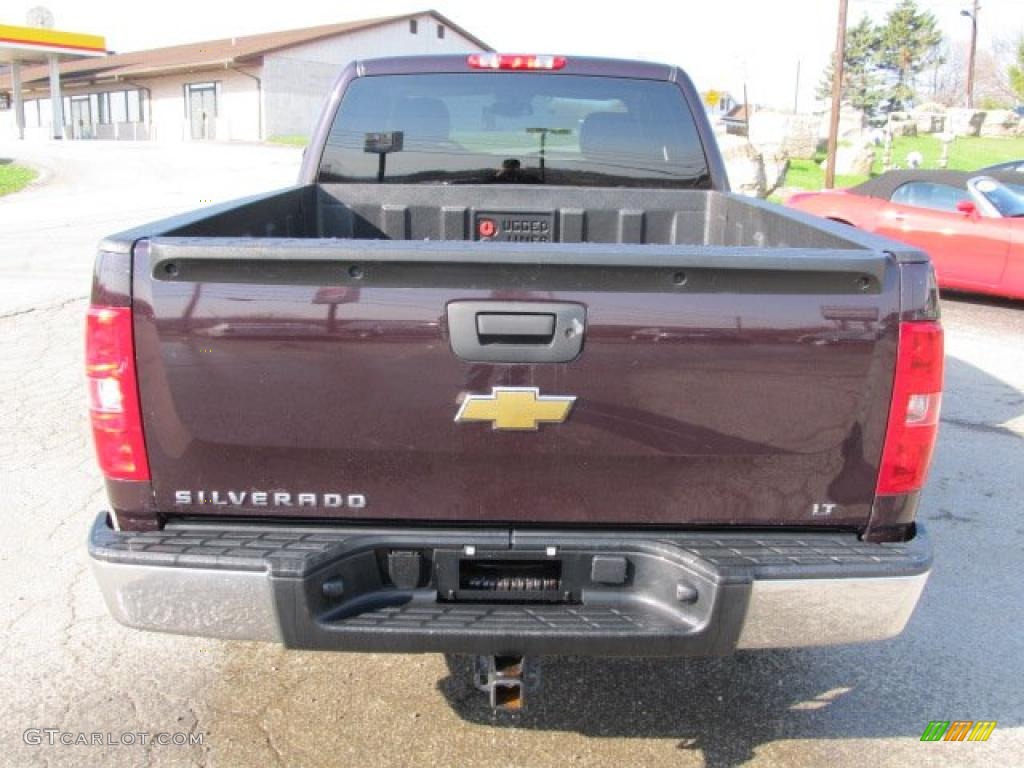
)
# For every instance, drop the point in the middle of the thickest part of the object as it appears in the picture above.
(595, 404)
(1014, 166)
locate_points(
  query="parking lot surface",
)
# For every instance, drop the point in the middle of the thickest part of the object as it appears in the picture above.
(68, 666)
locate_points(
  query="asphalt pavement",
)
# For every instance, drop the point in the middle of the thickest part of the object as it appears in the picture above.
(69, 668)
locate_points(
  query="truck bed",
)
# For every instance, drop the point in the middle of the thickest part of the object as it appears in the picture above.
(582, 215)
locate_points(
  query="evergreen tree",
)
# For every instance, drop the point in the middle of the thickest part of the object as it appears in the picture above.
(908, 43)
(861, 81)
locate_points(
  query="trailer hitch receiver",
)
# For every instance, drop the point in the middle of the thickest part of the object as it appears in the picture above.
(506, 680)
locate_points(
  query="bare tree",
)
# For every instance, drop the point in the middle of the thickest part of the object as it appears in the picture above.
(949, 75)
(992, 87)
(992, 73)
(1013, 50)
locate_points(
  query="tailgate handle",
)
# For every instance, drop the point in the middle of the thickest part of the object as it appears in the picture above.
(516, 331)
(515, 328)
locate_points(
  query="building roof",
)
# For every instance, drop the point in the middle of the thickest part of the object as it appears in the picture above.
(209, 54)
(737, 114)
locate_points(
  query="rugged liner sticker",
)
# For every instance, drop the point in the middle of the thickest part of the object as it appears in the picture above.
(515, 226)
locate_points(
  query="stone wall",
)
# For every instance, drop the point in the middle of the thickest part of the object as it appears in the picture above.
(753, 171)
(1001, 123)
(965, 122)
(853, 124)
(792, 135)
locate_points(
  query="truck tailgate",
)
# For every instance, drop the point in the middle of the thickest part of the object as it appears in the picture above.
(316, 378)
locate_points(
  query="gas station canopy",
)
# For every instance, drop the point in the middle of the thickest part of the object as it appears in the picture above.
(29, 44)
(32, 45)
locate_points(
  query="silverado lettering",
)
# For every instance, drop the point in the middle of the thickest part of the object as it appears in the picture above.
(269, 498)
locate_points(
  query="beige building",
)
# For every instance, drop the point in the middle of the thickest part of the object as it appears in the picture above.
(245, 88)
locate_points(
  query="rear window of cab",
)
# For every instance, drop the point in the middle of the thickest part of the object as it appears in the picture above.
(515, 128)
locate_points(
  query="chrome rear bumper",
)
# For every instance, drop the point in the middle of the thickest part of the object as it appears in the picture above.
(682, 594)
(794, 613)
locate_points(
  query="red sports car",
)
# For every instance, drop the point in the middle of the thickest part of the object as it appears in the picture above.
(971, 225)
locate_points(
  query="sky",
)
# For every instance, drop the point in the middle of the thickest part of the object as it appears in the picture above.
(722, 44)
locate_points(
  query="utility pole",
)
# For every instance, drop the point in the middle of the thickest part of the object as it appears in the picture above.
(973, 16)
(837, 95)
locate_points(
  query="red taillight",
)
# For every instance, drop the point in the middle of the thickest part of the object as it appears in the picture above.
(114, 394)
(914, 413)
(514, 61)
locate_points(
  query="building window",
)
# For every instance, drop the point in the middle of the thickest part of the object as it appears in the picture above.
(440, 32)
(81, 109)
(134, 107)
(103, 108)
(414, 27)
(118, 107)
(109, 107)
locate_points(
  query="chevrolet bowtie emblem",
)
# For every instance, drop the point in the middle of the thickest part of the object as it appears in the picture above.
(515, 408)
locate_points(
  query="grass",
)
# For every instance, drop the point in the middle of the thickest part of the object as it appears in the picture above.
(965, 154)
(807, 174)
(14, 177)
(289, 141)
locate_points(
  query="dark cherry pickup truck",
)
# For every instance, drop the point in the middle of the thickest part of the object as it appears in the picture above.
(509, 373)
